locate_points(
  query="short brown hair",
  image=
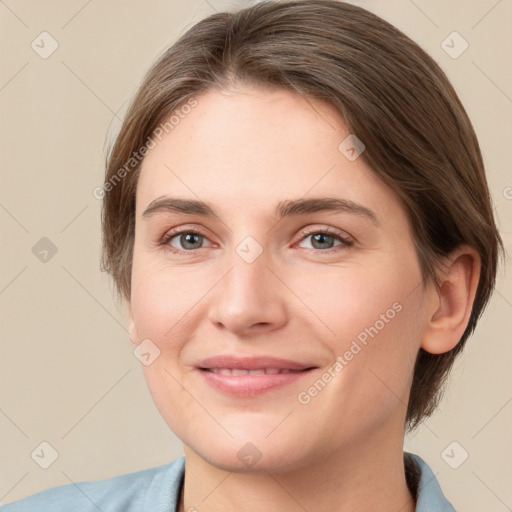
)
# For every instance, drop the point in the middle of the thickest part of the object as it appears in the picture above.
(391, 95)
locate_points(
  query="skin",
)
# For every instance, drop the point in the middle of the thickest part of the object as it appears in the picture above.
(243, 151)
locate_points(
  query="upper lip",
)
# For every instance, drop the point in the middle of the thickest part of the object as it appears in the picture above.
(251, 363)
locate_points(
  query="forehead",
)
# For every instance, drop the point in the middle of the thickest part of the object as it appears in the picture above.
(254, 144)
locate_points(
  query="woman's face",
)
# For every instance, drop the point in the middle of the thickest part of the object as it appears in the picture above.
(264, 272)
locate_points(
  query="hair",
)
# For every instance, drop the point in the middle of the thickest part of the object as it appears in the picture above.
(390, 94)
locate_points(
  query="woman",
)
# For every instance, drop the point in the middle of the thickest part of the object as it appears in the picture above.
(291, 369)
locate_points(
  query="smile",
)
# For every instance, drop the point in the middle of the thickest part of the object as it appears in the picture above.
(244, 383)
(243, 371)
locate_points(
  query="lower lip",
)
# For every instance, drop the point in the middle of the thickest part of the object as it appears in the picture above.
(250, 385)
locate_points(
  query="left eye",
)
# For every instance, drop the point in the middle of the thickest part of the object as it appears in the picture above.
(320, 237)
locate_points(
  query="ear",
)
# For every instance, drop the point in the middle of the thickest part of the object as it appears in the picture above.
(131, 323)
(450, 304)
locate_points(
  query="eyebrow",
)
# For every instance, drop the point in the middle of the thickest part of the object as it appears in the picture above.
(283, 209)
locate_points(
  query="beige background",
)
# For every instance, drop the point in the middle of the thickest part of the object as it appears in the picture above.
(68, 374)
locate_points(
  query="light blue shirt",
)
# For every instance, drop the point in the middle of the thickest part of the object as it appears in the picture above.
(158, 490)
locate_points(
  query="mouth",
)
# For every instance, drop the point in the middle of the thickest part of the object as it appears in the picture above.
(249, 377)
(259, 371)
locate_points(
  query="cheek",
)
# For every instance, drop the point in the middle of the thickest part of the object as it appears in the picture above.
(164, 299)
(379, 359)
(172, 399)
(354, 302)
(375, 326)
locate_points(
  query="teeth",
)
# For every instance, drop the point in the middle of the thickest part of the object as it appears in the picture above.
(254, 372)
(237, 371)
(240, 371)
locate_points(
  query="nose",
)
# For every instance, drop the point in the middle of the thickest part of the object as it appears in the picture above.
(250, 298)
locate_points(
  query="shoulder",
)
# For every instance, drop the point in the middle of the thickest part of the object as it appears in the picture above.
(155, 489)
(430, 497)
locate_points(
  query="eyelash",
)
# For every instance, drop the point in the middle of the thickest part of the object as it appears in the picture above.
(326, 231)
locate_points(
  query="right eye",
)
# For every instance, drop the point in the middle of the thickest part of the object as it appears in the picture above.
(184, 237)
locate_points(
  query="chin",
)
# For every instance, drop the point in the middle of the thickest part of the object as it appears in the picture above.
(249, 454)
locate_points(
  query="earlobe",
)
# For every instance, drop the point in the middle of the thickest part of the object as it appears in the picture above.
(131, 323)
(452, 301)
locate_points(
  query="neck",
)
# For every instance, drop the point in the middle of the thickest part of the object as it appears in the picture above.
(365, 478)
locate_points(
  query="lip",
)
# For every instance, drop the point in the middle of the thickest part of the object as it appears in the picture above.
(251, 385)
(251, 363)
